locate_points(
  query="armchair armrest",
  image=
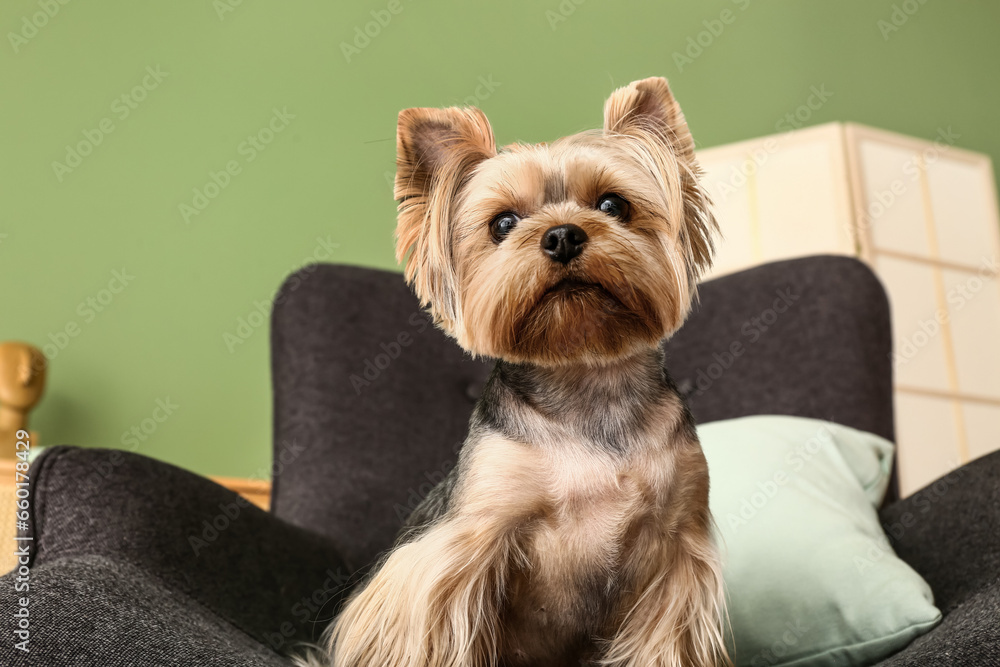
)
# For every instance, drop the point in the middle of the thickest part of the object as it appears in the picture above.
(949, 531)
(275, 582)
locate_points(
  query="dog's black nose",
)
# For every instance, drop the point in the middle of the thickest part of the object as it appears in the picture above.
(563, 242)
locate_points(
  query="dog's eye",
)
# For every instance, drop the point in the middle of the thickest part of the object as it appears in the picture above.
(614, 206)
(502, 225)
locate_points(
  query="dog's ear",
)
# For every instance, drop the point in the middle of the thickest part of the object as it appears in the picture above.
(432, 141)
(646, 110)
(436, 151)
(648, 106)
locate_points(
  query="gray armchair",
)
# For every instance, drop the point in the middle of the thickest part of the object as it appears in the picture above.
(136, 562)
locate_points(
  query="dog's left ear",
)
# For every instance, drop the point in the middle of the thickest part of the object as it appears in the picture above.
(647, 110)
(648, 106)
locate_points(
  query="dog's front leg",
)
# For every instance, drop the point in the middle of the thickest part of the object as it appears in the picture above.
(433, 603)
(675, 619)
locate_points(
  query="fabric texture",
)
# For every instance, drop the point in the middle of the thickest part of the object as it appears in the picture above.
(380, 399)
(115, 531)
(91, 611)
(804, 553)
(116, 579)
(949, 532)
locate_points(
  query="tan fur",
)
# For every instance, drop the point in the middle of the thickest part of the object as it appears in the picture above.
(558, 548)
(448, 197)
(675, 617)
(436, 601)
(436, 149)
(634, 522)
(639, 523)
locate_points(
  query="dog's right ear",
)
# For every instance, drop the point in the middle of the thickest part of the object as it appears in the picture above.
(436, 150)
(432, 141)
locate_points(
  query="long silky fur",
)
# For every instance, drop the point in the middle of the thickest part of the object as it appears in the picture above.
(679, 617)
(430, 173)
(435, 601)
(576, 525)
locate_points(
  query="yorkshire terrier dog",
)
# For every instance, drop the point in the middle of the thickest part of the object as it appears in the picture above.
(575, 528)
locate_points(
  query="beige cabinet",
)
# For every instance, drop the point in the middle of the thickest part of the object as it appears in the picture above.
(924, 215)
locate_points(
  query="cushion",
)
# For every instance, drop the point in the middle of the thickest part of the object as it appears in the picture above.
(811, 578)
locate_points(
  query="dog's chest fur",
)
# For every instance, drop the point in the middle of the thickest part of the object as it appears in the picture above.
(566, 590)
(582, 466)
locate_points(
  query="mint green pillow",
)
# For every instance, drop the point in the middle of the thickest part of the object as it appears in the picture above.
(810, 576)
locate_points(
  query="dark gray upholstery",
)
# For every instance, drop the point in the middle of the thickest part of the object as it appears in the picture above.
(118, 577)
(377, 447)
(949, 532)
(114, 531)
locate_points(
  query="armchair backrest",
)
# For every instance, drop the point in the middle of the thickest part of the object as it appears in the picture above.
(371, 401)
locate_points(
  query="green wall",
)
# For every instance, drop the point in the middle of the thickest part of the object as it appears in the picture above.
(166, 328)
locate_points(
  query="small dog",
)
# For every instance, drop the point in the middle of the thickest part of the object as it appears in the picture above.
(575, 528)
